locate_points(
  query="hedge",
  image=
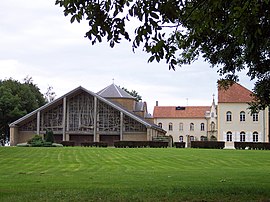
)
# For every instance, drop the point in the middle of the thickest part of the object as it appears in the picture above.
(94, 144)
(180, 144)
(252, 145)
(140, 144)
(208, 144)
(68, 143)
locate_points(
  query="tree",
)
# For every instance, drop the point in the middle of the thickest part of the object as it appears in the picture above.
(50, 94)
(232, 35)
(16, 100)
(133, 93)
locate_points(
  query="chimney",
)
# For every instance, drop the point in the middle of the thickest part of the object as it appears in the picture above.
(156, 103)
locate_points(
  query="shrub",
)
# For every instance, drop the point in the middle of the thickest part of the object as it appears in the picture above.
(252, 145)
(48, 137)
(140, 144)
(36, 141)
(208, 144)
(180, 144)
(68, 143)
(94, 144)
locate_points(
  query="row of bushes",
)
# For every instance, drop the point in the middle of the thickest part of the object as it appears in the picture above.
(94, 144)
(180, 144)
(68, 143)
(208, 144)
(252, 145)
(140, 144)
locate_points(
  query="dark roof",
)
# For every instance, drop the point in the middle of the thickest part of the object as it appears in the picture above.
(114, 91)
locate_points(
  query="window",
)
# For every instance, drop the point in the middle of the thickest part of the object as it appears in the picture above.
(255, 117)
(203, 138)
(181, 138)
(242, 116)
(229, 116)
(242, 137)
(213, 126)
(160, 125)
(212, 114)
(191, 127)
(170, 126)
(191, 138)
(181, 126)
(255, 137)
(229, 136)
(202, 126)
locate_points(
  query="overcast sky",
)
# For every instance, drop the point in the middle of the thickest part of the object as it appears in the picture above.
(37, 40)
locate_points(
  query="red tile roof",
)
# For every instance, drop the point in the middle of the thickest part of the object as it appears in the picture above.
(234, 94)
(188, 112)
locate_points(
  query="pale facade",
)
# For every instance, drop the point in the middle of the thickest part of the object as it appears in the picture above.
(189, 123)
(236, 124)
(230, 121)
(235, 121)
(181, 129)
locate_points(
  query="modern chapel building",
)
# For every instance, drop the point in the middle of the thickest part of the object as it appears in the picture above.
(230, 120)
(83, 116)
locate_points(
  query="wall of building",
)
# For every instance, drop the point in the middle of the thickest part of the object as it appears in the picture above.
(127, 103)
(236, 126)
(134, 137)
(176, 132)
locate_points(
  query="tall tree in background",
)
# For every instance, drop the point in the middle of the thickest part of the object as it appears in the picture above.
(16, 100)
(134, 94)
(231, 34)
(50, 94)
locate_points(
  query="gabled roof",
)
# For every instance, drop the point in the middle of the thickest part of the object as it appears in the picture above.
(180, 112)
(234, 94)
(114, 91)
(81, 89)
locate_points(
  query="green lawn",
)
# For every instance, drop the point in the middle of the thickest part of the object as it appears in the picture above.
(110, 174)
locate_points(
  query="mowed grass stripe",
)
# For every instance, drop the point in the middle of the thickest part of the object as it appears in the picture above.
(110, 174)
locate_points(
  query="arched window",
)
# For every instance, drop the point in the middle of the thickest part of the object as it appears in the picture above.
(181, 126)
(229, 116)
(170, 126)
(203, 138)
(242, 136)
(212, 126)
(255, 117)
(202, 126)
(212, 114)
(255, 137)
(191, 138)
(229, 136)
(160, 125)
(181, 138)
(191, 127)
(242, 116)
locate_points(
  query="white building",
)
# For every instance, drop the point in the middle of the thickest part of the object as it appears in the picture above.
(187, 122)
(229, 121)
(235, 122)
